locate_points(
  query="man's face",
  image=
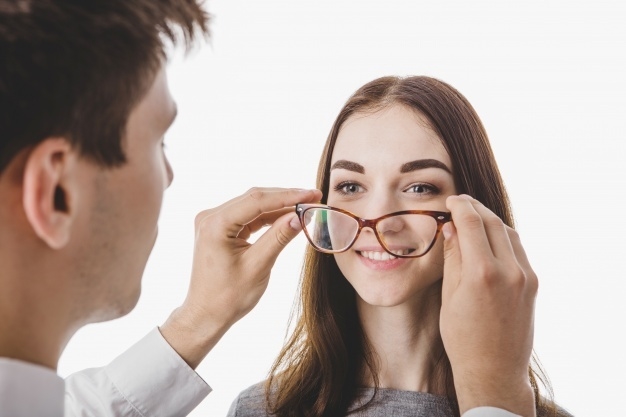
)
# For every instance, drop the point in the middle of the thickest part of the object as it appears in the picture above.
(122, 226)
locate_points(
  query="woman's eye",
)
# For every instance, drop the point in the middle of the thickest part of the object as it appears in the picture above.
(348, 188)
(422, 189)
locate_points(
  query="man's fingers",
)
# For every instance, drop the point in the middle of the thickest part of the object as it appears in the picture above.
(473, 242)
(518, 249)
(452, 259)
(522, 260)
(496, 233)
(265, 219)
(244, 209)
(267, 248)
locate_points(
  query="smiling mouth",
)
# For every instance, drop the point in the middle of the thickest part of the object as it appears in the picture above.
(383, 256)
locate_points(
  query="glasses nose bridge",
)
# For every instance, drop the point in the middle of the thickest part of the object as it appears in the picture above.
(368, 223)
(371, 223)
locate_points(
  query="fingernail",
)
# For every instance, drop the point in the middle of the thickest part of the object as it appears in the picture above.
(446, 230)
(467, 197)
(295, 223)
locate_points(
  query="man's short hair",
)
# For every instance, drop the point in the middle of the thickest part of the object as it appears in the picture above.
(76, 68)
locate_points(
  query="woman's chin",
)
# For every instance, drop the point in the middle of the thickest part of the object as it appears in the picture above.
(391, 290)
(384, 294)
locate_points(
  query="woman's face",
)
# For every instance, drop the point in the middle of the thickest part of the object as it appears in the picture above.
(384, 162)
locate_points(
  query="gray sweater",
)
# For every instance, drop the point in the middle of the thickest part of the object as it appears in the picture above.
(388, 402)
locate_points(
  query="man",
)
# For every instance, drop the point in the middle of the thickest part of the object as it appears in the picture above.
(84, 106)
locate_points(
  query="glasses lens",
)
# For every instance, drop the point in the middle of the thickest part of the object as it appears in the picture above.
(408, 234)
(330, 230)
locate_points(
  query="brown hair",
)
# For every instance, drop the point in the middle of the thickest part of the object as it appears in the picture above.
(319, 368)
(77, 68)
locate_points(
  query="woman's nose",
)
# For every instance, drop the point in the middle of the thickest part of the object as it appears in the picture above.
(390, 225)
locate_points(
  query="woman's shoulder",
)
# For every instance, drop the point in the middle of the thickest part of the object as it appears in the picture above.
(250, 402)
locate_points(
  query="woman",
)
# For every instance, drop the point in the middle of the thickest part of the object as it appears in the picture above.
(368, 339)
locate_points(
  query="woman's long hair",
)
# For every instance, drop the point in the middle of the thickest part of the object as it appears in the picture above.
(318, 371)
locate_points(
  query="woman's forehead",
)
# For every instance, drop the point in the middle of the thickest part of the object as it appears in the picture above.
(393, 135)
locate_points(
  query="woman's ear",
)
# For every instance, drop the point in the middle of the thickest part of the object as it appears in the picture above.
(46, 196)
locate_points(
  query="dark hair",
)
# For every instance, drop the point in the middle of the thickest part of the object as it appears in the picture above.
(76, 69)
(318, 369)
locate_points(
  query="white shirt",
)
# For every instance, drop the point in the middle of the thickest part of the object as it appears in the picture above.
(149, 379)
(29, 390)
(488, 412)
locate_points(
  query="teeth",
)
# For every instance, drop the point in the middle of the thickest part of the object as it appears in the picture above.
(383, 256)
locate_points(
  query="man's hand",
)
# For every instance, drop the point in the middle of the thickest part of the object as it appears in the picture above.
(230, 275)
(487, 312)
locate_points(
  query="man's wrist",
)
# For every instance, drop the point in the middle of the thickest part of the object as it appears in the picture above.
(517, 398)
(190, 337)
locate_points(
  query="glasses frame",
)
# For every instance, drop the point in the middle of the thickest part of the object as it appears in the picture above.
(441, 217)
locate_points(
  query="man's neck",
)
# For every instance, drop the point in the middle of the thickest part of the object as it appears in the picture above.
(34, 325)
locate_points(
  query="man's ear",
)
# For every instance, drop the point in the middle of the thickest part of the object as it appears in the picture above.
(46, 197)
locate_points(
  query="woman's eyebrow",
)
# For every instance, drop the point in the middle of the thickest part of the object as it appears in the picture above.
(423, 164)
(349, 165)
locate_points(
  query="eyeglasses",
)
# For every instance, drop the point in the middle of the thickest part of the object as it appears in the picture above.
(403, 234)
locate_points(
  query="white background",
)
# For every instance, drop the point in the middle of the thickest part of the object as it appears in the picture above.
(255, 107)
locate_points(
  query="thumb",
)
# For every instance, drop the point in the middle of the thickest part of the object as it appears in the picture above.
(451, 259)
(267, 248)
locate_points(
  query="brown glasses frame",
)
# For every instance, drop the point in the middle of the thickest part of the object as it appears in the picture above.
(441, 217)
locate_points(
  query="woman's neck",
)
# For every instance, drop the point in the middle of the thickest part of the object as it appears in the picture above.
(406, 342)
